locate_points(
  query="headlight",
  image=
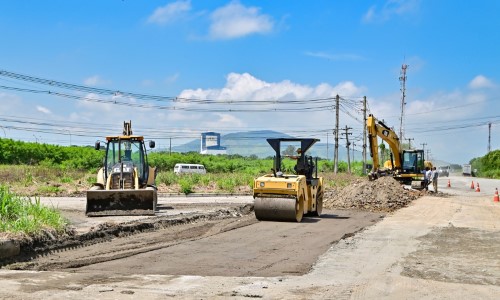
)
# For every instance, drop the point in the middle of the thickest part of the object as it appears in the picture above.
(262, 184)
(288, 185)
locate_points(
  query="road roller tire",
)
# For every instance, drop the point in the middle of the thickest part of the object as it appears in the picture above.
(319, 203)
(279, 209)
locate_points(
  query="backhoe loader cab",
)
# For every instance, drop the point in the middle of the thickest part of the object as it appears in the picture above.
(288, 197)
(125, 183)
(131, 152)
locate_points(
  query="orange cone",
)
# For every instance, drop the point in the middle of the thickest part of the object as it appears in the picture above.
(472, 185)
(495, 198)
(449, 184)
(477, 188)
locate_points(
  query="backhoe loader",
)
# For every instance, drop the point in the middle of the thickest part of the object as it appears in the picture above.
(126, 183)
(288, 197)
(406, 166)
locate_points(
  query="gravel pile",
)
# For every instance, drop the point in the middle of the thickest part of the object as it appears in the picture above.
(384, 194)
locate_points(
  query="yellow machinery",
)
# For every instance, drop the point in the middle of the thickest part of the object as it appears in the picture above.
(288, 197)
(125, 184)
(407, 166)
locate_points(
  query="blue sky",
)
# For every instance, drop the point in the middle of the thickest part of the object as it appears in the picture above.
(241, 54)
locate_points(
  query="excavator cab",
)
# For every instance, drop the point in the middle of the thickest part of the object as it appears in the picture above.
(413, 161)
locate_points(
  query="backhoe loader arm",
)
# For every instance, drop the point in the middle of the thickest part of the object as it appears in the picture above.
(376, 129)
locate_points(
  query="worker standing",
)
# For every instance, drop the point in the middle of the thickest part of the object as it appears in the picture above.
(435, 175)
(427, 178)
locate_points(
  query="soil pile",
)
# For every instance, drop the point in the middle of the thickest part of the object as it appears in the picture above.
(384, 194)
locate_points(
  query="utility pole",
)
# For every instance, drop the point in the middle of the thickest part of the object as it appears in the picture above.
(409, 142)
(353, 145)
(347, 133)
(336, 132)
(327, 145)
(428, 154)
(170, 147)
(489, 137)
(402, 78)
(423, 146)
(364, 135)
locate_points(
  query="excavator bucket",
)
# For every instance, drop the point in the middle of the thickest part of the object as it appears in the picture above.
(121, 202)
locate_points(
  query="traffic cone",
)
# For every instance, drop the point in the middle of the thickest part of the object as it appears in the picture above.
(472, 185)
(449, 184)
(477, 188)
(495, 198)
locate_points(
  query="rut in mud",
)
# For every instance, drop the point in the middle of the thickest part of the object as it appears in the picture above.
(46, 245)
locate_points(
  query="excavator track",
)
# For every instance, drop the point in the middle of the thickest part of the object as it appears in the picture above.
(273, 208)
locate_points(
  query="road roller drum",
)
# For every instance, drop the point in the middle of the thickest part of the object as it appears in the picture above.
(278, 209)
(289, 197)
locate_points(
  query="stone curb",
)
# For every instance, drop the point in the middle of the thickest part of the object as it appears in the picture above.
(9, 248)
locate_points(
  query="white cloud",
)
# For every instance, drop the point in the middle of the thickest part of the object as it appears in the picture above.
(171, 79)
(335, 57)
(390, 9)
(170, 12)
(95, 80)
(245, 86)
(43, 109)
(224, 120)
(235, 20)
(480, 82)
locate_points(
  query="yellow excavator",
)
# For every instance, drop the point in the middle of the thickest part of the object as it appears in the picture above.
(126, 183)
(288, 197)
(407, 166)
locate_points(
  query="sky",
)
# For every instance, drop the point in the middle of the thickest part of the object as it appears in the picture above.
(72, 71)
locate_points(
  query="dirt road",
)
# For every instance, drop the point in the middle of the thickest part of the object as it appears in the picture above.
(238, 246)
(438, 247)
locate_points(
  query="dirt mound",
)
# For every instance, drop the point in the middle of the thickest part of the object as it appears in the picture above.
(384, 194)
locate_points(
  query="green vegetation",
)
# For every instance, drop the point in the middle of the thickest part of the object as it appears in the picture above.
(18, 214)
(487, 166)
(40, 169)
(74, 157)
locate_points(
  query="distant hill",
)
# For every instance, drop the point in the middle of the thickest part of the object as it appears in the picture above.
(254, 143)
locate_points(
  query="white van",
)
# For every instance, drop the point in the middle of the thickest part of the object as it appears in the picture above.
(189, 169)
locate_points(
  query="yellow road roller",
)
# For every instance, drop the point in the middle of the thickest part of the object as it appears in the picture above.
(289, 197)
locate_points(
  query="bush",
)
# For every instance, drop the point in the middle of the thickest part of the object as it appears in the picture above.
(488, 165)
(19, 214)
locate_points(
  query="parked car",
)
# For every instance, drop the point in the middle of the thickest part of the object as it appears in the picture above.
(444, 171)
(189, 169)
(466, 170)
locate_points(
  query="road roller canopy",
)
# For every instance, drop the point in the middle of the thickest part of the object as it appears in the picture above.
(305, 144)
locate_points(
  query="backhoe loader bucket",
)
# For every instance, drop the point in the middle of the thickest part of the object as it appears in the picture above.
(121, 202)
